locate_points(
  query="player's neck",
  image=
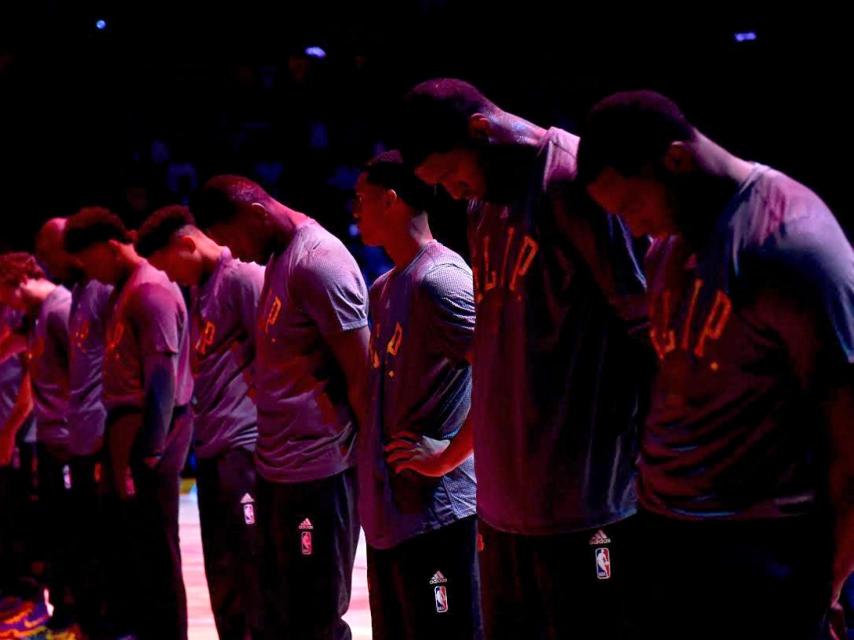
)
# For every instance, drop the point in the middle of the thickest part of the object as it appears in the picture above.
(409, 242)
(708, 191)
(129, 262)
(37, 292)
(211, 255)
(285, 222)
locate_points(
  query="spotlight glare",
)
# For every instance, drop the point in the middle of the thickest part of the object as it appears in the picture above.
(745, 36)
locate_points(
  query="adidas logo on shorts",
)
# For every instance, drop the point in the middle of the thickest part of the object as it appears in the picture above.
(438, 578)
(600, 538)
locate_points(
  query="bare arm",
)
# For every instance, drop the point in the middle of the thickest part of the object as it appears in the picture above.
(428, 456)
(350, 349)
(839, 410)
(159, 371)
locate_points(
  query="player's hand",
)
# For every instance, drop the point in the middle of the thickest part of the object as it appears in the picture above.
(152, 462)
(841, 574)
(7, 449)
(421, 454)
(836, 619)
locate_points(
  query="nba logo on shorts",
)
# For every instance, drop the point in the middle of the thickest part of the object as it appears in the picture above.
(441, 594)
(306, 542)
(248, 509)
(603, 563)
(305, 530)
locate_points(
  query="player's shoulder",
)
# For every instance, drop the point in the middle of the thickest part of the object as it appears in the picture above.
(445, 274)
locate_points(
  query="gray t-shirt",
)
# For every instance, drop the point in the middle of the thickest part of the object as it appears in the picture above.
(751, 329)
(11, 375)
(222, 315)
(148, 317)
(48, 364)
(87, 325)
(423, 327)
(556, 372)
(313, 289)
(11, 372)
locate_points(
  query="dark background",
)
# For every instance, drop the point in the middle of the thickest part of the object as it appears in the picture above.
(169, 93)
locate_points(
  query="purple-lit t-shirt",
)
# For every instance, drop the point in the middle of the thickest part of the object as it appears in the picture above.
(312, 290)
(222, 315)
(557, 373)
(423, 327)
(750, 329)
(11, 375)
(149, 317)
(48, 364)
(90, 305)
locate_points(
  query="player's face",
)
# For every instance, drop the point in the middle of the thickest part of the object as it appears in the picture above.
(643, 202)
(458, 171)
(180, 261)
(369, 211)
(244, 234)
(100, 262)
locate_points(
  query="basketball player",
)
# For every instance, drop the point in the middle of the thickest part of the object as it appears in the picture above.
(557, 364)
(747, 457)
(147, 391)
(416, 472)
(310, 372)
(224, 300)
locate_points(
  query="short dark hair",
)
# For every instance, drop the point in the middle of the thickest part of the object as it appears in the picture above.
(92, 225)
(157, 231)
(629, 130)
(219, 198)
(17, 266)
(434, 117)
(388, 170)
